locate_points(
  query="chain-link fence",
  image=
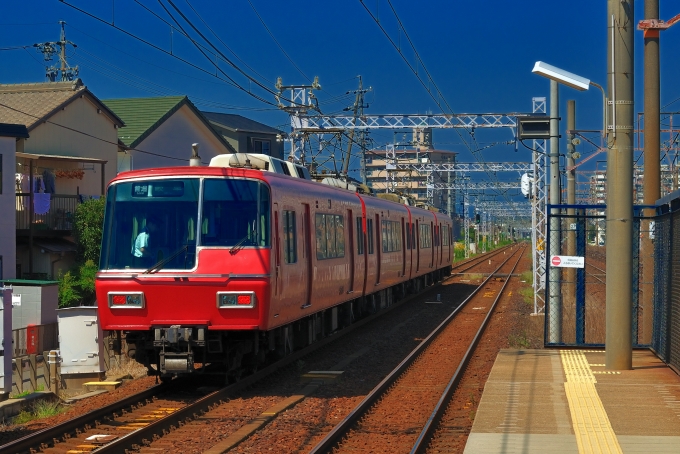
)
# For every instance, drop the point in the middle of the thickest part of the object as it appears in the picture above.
(666, 234)
(575, 313)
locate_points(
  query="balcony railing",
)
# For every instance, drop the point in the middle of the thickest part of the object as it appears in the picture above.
(59, 216)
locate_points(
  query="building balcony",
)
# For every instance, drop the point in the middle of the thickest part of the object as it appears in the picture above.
(56, 221)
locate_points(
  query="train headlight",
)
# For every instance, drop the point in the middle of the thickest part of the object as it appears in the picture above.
(235, 300)
(126, 300)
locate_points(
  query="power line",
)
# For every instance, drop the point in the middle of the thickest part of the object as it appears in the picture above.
(227, 60)
(276, 41)
(132, 35)
(147, 85)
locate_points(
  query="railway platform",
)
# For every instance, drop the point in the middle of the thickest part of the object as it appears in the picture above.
(564, 401)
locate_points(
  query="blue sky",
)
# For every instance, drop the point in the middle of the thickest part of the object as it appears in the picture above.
(480, 54)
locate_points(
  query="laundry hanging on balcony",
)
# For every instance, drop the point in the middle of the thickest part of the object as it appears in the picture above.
(41, 203)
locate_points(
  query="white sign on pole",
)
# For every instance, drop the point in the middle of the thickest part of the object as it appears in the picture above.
(567, 261)
(16, 299)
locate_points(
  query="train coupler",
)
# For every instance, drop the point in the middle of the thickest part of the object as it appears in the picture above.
(176, 363)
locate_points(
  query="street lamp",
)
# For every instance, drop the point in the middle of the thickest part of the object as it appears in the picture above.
(556, 76)
(572, 80)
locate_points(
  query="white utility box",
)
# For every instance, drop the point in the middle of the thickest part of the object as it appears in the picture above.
(81, 341)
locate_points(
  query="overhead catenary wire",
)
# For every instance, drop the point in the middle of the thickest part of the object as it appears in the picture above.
(229, 80)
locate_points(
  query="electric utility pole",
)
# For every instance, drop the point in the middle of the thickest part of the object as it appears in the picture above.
(357, 109)
(618, 342)
(52, 48)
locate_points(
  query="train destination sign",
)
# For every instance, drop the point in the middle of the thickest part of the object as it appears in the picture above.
(567, 261)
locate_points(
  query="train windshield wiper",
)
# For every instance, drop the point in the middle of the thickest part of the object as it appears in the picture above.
(238, 246)
(161, 263)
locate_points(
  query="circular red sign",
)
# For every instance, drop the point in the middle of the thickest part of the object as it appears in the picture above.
(556, 260)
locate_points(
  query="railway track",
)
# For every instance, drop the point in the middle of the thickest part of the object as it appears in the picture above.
(149, 418)
(410, 400)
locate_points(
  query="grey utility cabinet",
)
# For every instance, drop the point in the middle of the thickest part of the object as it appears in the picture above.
(33, 302)
(81, 341)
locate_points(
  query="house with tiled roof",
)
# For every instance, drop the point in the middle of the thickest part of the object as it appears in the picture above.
(246, 135)
(159, 132)
(12, 137)
(71, 154)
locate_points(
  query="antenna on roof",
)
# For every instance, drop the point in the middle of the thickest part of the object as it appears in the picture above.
(51, 48)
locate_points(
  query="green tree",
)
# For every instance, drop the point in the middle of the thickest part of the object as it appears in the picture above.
(76, 287)
(88, 229)
(68, 290)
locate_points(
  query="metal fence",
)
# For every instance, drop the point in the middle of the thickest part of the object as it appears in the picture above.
(46, 338)
(575, 310)
(666, 339)
(59, 214)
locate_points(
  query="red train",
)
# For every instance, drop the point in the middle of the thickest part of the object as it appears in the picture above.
(248, 258)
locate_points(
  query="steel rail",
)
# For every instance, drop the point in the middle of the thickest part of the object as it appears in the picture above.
(426, 434)
(341, 429)
(158, 428)
(68, 427)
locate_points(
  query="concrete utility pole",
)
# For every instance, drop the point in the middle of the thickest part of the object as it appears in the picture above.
(618, 342)
(571, 196)
(554, 290)
(652, 176)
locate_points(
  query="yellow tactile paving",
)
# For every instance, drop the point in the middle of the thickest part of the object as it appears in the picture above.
(594, 433)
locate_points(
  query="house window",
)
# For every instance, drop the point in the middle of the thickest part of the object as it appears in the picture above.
(262, 146)
(289, 237)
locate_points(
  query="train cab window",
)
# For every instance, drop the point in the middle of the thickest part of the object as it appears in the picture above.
(360, 237)
(369, 235)
(425, 236)
(289, 237)
(235, 213)
(330, 236)
(151, 223)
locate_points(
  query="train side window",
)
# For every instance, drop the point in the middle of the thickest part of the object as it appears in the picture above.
(445, 235)
(391, 236)
(289, 237)
(360, 237)
(369, 234)
(413, 236)
(425, 236)
(330, 236)
(320, 224)
(339, 236)
(408, 236)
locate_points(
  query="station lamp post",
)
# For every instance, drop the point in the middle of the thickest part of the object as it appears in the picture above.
(558, 76)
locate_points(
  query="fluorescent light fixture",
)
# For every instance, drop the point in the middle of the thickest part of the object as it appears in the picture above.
(559, 75)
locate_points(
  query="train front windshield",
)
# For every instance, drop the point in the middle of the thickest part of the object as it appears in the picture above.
(157, 224)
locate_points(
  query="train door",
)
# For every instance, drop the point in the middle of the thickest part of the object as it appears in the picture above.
(307, 253)
(277, 253)
(431, 245)
(417, 238)
(403, 248)
(350, 250)
(441, 245)
(378, 248)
